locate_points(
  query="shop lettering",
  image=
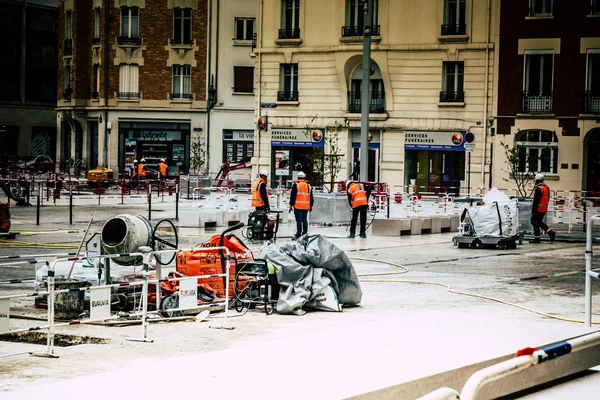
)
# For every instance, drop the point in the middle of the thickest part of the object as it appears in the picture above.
(152, 136)
(99, 303)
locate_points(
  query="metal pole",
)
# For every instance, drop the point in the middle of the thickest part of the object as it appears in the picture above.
(39, 198)
(469, 178)
(149, 202)
(177, 200)
(365, 93)
(588, 270)
(70, 205)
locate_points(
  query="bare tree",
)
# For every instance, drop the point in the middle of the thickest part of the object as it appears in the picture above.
(197, 155)
(517, 160)
(333, 159)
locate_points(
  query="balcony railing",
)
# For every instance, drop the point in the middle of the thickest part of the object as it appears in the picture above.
(287, 33)
(536, 103)
(68, 47)
(377, 104)
(96, 41)
(592, 103)
(186, 42)
(181, 96)
(351, 30)
(454, 29)
(452, 97)
(128, 95)
(129, 40)
(94, 95)
(287, 95)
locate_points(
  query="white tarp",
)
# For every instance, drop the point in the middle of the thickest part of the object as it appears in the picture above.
(497, 217)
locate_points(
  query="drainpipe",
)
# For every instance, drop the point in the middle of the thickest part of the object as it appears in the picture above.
(106, 42)
(259, 45)
(209, 65)
(485, 94)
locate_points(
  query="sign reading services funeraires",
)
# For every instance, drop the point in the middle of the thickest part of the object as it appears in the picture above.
(297, 137)
(435, 140)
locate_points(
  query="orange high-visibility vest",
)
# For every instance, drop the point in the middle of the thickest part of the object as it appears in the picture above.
(359, 195)
(543, 205)
(162, 168)
(141, 169)
(134, 170)
(257, 200)
(302, 195)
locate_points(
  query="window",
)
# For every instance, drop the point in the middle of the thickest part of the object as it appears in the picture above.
(243, 79)
(182, 82)
(288, 83)
(538, 151)
(377, 96)
(454, 18)
(355, 18)
(67, 77)
(237, 151)
(595, 7)
(68, 25)
(290, 20)
(130, 22)
(128, 82)
(244, 28)
(97, 23)
(537, 94)
(453, 85)
(592, 92)
(540, 8)
(182, 26)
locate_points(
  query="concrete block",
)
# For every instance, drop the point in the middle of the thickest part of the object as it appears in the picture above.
(445, 223)
(436, 224)
(426, 225)
(386, 227)
(189, 218)
(416, 226)
(454, 221)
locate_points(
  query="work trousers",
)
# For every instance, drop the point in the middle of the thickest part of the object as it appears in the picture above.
(301, 221)
(362, 210)
(537, 221)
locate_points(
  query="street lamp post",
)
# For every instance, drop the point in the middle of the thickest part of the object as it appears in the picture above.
(365, 91)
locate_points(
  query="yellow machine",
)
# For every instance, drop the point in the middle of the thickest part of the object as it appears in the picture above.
(100, 174)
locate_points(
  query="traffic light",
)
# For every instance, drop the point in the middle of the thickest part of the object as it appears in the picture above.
(262, 123)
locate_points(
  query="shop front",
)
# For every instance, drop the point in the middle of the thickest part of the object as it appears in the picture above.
(295, 150)
(434, 159)
(154, 141)
(374, 154)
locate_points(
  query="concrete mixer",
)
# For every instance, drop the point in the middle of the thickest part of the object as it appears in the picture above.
(126, 233)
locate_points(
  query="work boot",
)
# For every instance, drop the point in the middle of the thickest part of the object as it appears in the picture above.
(535, 240)
(552, 235)
(362, 235)
(350, 236)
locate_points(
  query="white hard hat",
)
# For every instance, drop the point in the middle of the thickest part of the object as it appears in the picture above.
(539, 177)
(143, 160)
(263, 172)
(162, 160)
(348, 183)
(301, 175)
(135, 160)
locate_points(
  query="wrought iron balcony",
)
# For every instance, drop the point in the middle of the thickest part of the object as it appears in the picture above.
(454, 29)
(96, 41)
(351, 30)
(181, 96)
(129, 40)
(287, 33)
(94, 95)
(287, 95)
(377, 103)
(452, 97)
(68, 47)
(592, 103)
(536, 103)
(129, 95)
(182, 42)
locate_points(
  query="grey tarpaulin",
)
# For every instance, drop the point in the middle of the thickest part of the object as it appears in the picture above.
(306, 267)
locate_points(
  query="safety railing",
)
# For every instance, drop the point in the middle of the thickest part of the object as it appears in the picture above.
(589, 272)
(100, 297)
(525, 359)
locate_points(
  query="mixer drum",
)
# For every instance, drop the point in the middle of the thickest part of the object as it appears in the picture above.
(126, 233)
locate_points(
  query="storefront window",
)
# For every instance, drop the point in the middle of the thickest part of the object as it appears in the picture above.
(538, 151)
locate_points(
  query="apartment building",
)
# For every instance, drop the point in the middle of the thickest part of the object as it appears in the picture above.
(28, 37)
(132, 81)
(549, 91)
(432, 63)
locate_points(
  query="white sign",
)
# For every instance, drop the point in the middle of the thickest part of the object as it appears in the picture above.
(434, 140)
(99, 303)
(4, 315)
(238, 135)
(469, 147)
(297, 137)
(93, 247)
(188, 293)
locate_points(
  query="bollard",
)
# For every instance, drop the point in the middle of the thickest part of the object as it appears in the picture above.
(70, 205)
(37, 211)
(177, 201)
(149, 202)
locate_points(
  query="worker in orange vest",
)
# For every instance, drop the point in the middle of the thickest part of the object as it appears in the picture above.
(142, 169)
(301, 200)
(134, 168)
(260, 197)
(541, 198)
(358, 197)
